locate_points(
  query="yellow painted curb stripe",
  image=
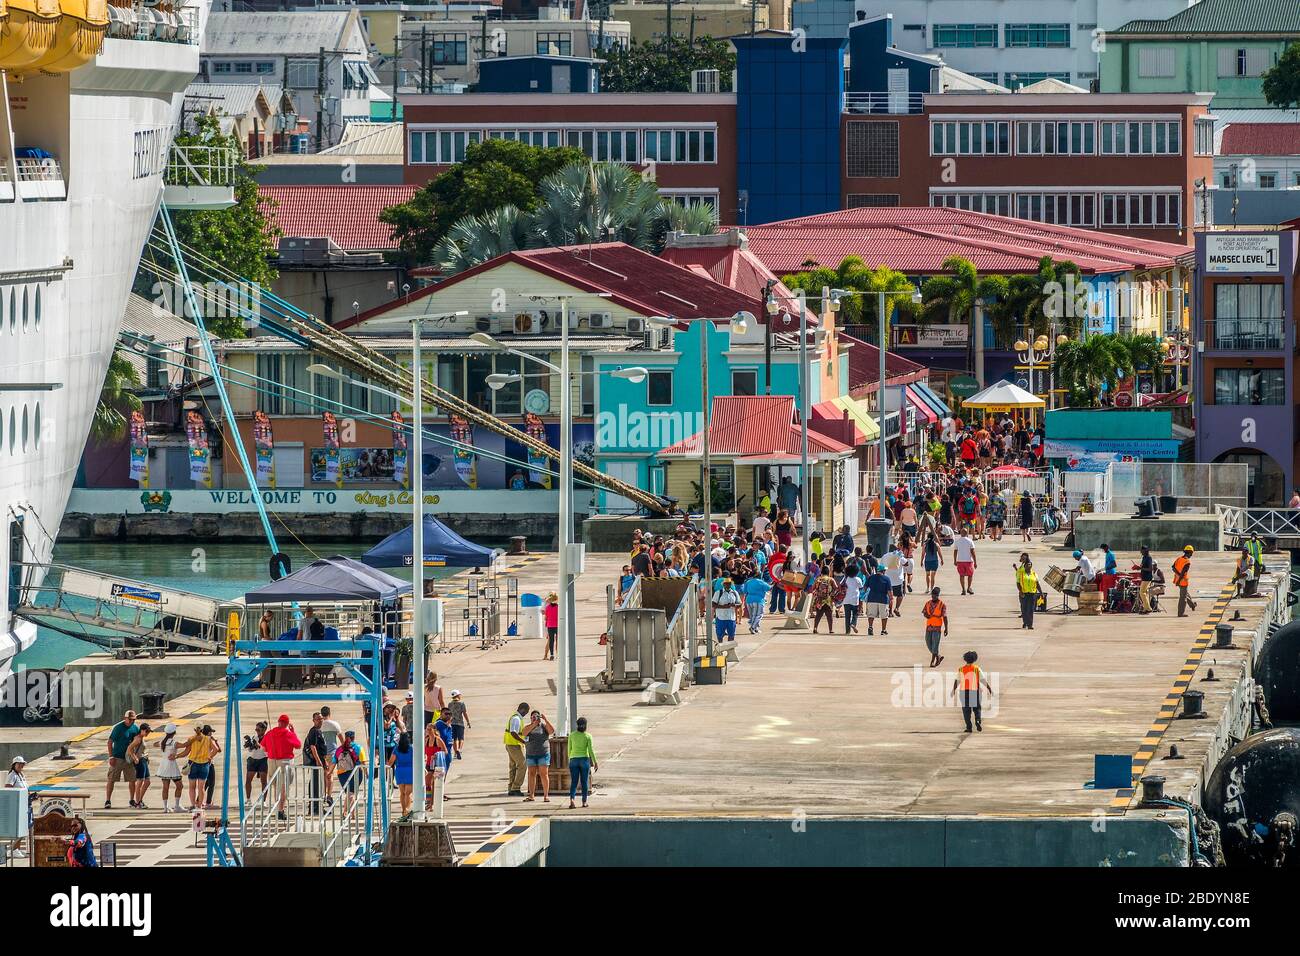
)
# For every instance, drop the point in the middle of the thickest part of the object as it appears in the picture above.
(482, 855)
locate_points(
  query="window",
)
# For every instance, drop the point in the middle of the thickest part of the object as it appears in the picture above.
(243, 67)
(659, 388)
(679, 145)
(1062, 209)
(872, 149)
(744, 381)
(1016, 80)
(301, 74)
(691, 199)
(1244, 61)
(533, 137)
(1248, 316)
(1249, 386)
(1141, 209)
(221, 68)
(555, 44)
(1204, 131)
(450, 49)
(1038, 34)
(1053, 137)
(441, 146)
(1137, 138)
(997, 204)
(864, 200)
(970, 138)
(949, 35)
(288, 388)
(509, 399)
(1156, 62)
(616, 145)
(265, 67)
(1268, 180)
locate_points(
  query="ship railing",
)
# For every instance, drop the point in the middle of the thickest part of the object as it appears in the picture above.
(1266, 522)
(884, 103)
(45, 169)
(200, 166)
(134, 20)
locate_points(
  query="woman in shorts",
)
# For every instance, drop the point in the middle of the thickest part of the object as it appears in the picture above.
(255, 764)
(537, 755)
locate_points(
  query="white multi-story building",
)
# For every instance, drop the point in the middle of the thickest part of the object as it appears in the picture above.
(288, 50)
(1015, 42)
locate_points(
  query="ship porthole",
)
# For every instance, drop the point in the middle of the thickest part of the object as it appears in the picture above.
(37, 314)
(25, 312)
(2, 431)
(36, 433)
(26, 427)
(13, 429)
(13, 310)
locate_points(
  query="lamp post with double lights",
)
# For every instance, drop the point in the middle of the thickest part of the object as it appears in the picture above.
(1178, 350)
(882, 301)
(1038, 351)
(417, 518)
(739, 325)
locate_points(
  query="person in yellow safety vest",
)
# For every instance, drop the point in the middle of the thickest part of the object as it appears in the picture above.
(1026, 590)
(514, 741)
(969, 679)
(1256, 548)
(1182, 579)
(936, 625)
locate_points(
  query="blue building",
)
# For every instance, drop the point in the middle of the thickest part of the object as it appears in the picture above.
(541, 73)
(790, 90)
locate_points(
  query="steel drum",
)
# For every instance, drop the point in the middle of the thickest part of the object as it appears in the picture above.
(1073, 583)
(1055, 578)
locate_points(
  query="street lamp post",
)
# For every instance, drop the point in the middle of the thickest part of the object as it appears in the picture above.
(1036, 351)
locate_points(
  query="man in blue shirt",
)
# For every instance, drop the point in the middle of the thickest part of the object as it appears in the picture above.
(1111, 566)
(119, 768)
(878, 589)
(755, 600)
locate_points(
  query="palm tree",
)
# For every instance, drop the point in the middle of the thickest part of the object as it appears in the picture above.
(954, 296)
(580, 203)
(854, 274)
(1084, 365)
(117, 401)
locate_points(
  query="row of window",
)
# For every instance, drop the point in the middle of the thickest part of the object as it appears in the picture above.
(244, 67)
(1161, 62)
(1157, 210)
(1060, 137)
(659, 385)
(20, 309)
(23, 432)
(1268, 180)
(452, 49)
(444, 146)
(953, 35)
(1249, 386)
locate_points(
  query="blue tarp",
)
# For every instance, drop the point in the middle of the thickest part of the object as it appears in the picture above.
(443, 548)
(331, 579)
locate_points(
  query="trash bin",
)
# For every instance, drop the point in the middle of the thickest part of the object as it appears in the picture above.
(1169, 504)
(878, 530)
(151, 703)
(532, 616)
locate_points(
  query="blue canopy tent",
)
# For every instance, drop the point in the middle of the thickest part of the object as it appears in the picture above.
(331, 579)
(443, 548)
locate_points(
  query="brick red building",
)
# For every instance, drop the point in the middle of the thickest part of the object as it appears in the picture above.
(690, 137)
(1120, 163)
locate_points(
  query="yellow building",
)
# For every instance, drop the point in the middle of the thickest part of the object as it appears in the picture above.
(715, 18)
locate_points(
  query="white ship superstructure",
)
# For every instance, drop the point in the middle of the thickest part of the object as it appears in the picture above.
(92, 92)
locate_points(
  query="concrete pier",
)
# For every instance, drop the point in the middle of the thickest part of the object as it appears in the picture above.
(812, 729)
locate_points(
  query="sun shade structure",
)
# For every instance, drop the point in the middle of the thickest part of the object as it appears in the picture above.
(331, 579)
(1003, 396)
(443, 548)
(1010, 471)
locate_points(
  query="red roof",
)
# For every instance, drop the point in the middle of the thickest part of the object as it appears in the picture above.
(348, 214)
(1260, 139)
(636, 280)
(746, 426)
(917, 239)
(736, 267)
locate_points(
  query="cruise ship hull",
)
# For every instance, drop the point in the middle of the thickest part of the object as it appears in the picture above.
(73, 224)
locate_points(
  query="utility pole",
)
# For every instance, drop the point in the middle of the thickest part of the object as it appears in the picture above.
(668, 25)
(397, 60)
(320, 100)
(753, 17)
(706, 485)
(424, 59)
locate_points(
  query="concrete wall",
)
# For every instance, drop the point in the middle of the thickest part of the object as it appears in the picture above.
(1136, 840)
(612, 534)
(124, 681)
(1166, 533)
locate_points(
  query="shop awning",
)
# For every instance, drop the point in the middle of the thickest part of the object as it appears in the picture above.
(931, 398)
(863, 421)
(922, 406)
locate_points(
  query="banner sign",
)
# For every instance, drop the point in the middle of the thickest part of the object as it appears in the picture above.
(352, 464)
(932, 336)
(264, 446)
(538, 465)
(400, 472)
(196, 434)
(139, 450)
(127, 594)
(332, 471)
(462, 433)
(1230, 252)
(1095, 454)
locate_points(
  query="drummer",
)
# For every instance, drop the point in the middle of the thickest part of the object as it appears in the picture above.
(1086, 571)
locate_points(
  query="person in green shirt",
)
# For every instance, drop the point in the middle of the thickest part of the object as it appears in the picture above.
(582, 761)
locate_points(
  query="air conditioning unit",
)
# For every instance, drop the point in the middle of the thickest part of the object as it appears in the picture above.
(655, 339)
(706, 81)
(487, 323)
(636, 325)
(528, 323)
(600, 320)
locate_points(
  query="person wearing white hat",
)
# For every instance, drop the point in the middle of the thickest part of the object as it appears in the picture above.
(16, 781)
(169, 771)
(459, 722)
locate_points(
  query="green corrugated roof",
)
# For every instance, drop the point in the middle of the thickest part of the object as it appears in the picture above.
(1238, 17)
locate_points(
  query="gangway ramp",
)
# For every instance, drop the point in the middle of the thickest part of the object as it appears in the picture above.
(127, 615)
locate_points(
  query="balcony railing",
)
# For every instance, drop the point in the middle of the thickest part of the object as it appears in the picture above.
(200, 177)
(134, 20)
(884, 103)
(1246, 335)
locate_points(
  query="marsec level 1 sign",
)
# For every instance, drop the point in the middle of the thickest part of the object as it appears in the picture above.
(1233, 253)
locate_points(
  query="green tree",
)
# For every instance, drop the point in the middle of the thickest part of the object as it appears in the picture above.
(951, 298)
(241, 238)
(1083, 366)
(1281, 82)
(582, 202)
(117, 400)
(494, 173)
(1029, 299)
(665, 66)
(854, 274)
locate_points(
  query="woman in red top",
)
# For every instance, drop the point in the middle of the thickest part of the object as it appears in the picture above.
(552, 621)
